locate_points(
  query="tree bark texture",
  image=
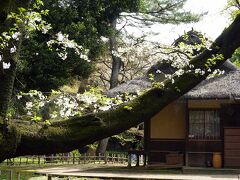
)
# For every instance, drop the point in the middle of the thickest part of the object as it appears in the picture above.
(63, 136)
(116, 61)
(7, 77)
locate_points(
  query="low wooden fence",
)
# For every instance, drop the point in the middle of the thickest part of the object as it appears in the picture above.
(114, 158)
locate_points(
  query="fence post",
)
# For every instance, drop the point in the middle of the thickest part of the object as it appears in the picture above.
(112, 158)
(18, 176)
(11, 175)
(52, 160)
(49, 177)
(84, 159)
(39, 160)
(73, 158)
(129, 160)
(99, 157)
(118, 158)
(105, 157)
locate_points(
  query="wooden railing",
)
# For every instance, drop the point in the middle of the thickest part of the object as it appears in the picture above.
(69, 159)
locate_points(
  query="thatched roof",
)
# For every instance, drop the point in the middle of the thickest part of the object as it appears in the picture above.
(226, 86)
(132, 87)
(221, 87)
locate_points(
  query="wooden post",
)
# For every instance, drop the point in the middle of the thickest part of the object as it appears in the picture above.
(18, 176)
(145, 159)
(11, 175)
(121, 158)
(118, 158)
(84, 158)
(105, 157)
(49, 177)
(137, 164)
(73, 158)
(52, 161)
(99, 157)
(186, 159)
(20, 161)
(39, 160)
(129, 160)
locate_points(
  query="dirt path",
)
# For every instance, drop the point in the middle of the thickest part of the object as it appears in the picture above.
(120, 172)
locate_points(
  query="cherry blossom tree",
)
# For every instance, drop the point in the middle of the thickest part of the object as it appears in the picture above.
(22, 137)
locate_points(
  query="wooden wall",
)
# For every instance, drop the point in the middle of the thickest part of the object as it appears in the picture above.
(159, 148)
(232, 147)
(208, 104)
(170, 123)
(167, 131)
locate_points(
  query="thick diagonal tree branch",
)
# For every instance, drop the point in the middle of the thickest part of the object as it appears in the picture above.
(75, 132)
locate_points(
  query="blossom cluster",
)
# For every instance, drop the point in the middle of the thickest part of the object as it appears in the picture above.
(25, 22)
(64, 43)
(179, 58)
(60, 105)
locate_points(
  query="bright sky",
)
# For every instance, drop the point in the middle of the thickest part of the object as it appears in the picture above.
(215, 21)
(211, 24)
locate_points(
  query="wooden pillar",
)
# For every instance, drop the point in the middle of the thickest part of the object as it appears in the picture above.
(129, 160)
(144, 159)
(137, 164)
(186, 158)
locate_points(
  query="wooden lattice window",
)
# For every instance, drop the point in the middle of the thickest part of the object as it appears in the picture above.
(204, 124)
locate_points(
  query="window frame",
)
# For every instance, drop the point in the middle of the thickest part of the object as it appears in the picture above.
(212, 137)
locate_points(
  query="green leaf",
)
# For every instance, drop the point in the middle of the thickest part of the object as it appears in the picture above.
(128, 108)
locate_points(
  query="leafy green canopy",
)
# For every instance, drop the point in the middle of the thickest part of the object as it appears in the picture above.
(85, 21)
(167, 11)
